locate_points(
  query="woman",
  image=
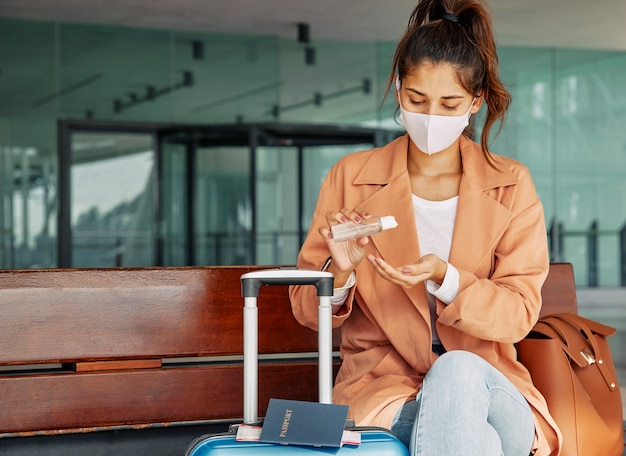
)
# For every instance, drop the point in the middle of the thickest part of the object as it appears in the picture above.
(430, 311)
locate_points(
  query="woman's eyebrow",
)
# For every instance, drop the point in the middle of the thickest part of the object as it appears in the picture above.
(415, 91)
(447, 97)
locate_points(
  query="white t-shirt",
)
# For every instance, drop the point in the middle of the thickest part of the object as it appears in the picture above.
(435, 224)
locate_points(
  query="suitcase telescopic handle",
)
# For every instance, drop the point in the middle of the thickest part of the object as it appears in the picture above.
(250, 284)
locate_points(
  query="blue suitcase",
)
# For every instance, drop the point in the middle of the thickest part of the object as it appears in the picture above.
(374, 441)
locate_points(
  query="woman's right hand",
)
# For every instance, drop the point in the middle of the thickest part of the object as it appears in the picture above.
(345, 255)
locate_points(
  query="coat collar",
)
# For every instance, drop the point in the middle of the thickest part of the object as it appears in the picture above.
(390, 161)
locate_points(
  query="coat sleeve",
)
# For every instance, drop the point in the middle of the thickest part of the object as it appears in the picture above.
(313, 254)
(504, 305)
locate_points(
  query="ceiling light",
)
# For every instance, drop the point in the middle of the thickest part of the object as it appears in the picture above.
(304, 33)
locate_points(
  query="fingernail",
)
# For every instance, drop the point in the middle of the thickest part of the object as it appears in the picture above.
(406, 270)
(344, 219)
(357, 219)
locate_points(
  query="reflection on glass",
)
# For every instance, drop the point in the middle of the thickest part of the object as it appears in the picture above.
(223, 212)
(277, 236)
(317, 162)
(27, 209)
(112, 211)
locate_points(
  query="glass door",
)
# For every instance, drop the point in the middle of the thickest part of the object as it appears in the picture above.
(165, 195)
(112, 199)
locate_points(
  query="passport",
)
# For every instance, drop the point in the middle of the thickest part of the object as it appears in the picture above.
(291, 422)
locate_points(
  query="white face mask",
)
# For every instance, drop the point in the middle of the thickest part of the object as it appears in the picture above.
(432, 133)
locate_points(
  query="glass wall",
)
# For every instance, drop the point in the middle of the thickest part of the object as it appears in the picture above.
(564, 124)
(28, 183)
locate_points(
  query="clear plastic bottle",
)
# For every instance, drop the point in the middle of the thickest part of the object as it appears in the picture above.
(369, 227)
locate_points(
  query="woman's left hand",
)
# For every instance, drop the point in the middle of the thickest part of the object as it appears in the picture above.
(429, 267)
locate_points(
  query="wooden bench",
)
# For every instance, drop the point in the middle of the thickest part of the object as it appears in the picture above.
(109, 349)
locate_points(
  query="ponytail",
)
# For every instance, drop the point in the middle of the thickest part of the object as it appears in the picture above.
(458, 33)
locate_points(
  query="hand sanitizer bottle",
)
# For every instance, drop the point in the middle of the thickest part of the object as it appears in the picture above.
(369, 227)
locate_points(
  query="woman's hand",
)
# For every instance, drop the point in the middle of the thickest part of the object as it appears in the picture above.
(345, 255)
(429, 267)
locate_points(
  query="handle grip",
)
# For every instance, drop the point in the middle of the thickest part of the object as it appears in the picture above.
(252, 281)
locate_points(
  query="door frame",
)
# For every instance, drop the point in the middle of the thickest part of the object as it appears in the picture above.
(250, 135)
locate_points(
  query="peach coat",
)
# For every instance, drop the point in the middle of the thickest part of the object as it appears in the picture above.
(499, 246)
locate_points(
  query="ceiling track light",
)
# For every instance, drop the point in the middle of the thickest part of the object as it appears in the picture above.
(304, 33)
(152, 93)
(304, 37)
(318, 98)
(197, 49)
(367, 86)
(309, 55)
(188, 79)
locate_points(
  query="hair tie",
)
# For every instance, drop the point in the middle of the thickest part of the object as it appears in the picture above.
(450, 17)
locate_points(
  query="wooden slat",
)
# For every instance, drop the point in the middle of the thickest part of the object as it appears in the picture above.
(98, 314)
(52, 403)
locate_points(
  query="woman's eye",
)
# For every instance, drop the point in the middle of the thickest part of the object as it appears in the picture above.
(450, 108)
(417, 102)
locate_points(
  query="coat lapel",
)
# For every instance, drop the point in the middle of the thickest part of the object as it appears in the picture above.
(399, 246)
(480, 218)
(388, 169)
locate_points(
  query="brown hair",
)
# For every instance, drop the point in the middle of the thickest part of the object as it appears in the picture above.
(459, 33)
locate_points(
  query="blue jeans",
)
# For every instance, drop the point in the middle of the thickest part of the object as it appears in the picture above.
(466, 407)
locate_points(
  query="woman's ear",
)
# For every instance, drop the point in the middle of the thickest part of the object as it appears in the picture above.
(478, 102)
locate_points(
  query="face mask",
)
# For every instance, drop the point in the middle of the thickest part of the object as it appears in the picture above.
(432, 133)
